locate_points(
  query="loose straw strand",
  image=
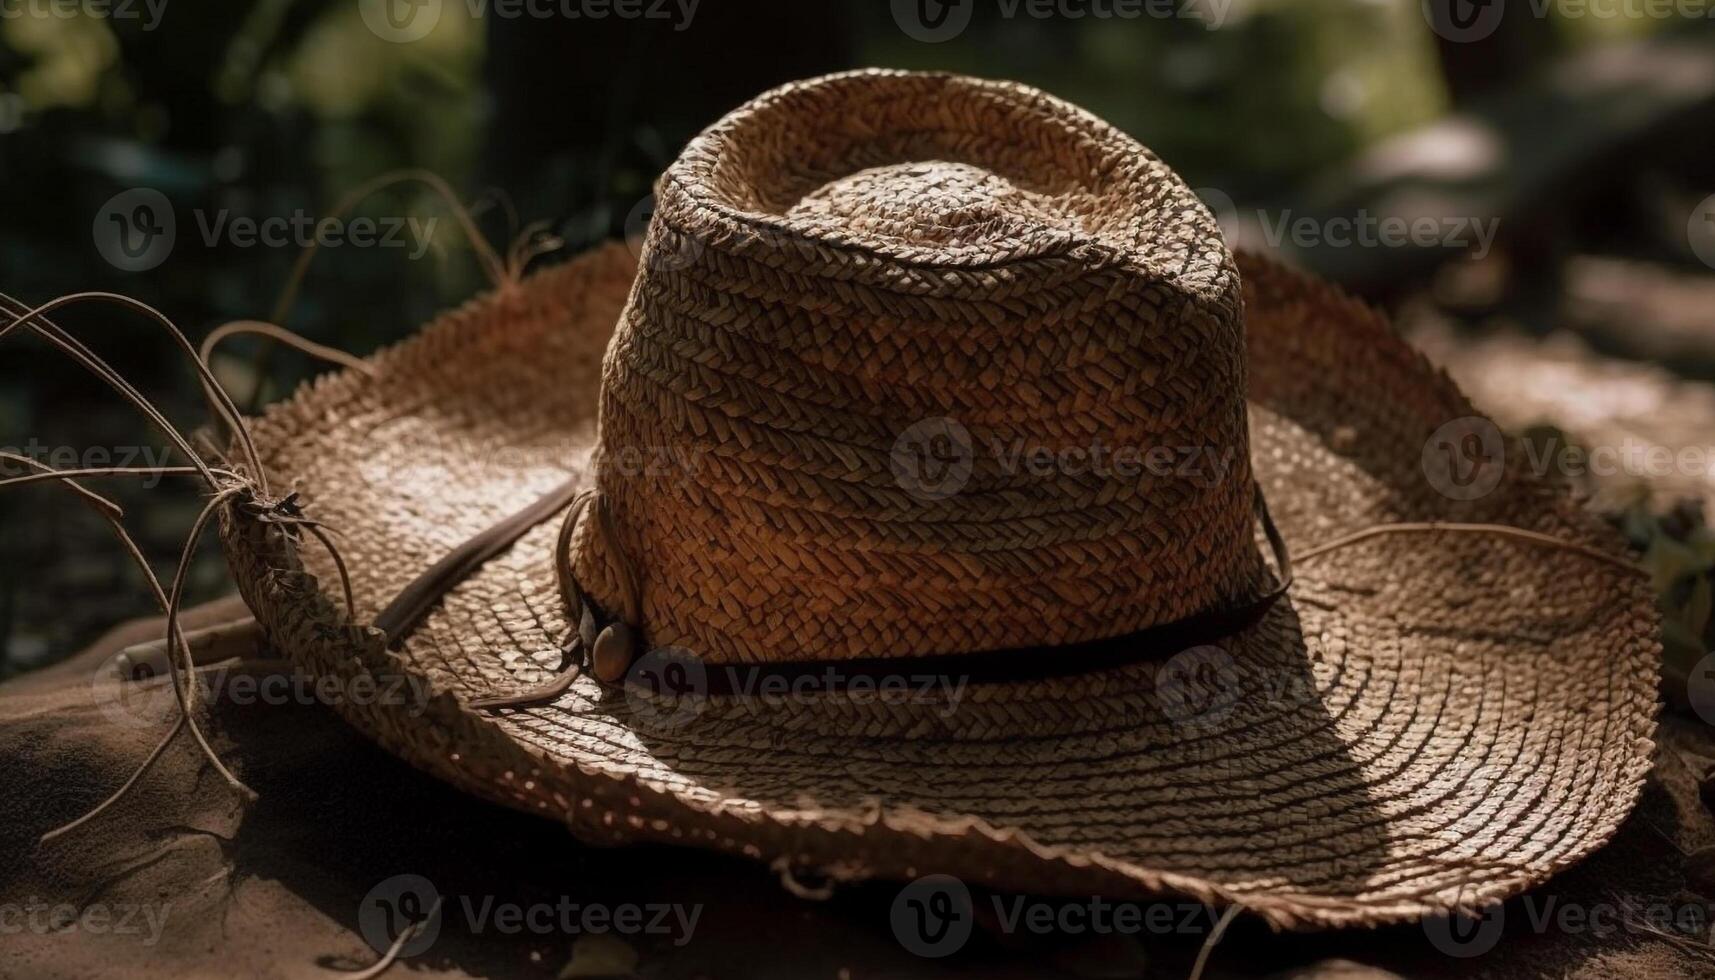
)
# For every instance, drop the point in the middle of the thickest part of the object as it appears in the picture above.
(111, 512)
(390, 957)
(226, 411)
(322, 535)
(331, 355)
(220, 402)
(492, 262)
(1215, 936)
(183, 675)
(183, 687)
(175, 638)
(533, 241)
(106, 507)
(278, 333)
(137, 471)
(124, 788)
(69, 345)
(1436, 527)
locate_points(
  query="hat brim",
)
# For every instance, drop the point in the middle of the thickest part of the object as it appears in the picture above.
(1427, 722)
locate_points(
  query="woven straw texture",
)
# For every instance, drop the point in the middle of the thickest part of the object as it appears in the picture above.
(812, 288)
(1425, 722)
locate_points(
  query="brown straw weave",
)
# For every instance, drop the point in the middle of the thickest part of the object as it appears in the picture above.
(1426, 721)
(813, 290)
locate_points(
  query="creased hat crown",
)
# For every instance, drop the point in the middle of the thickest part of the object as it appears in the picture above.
(922, 364)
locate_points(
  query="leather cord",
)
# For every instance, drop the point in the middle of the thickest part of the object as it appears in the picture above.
(406, 611)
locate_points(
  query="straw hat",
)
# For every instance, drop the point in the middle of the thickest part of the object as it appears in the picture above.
(899, 512)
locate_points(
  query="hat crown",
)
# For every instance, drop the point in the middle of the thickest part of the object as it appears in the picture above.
(934, 203)
(938, 365)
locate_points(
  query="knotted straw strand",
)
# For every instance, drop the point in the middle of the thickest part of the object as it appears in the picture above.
(499, 272)
(225, 411)
(183, 693)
